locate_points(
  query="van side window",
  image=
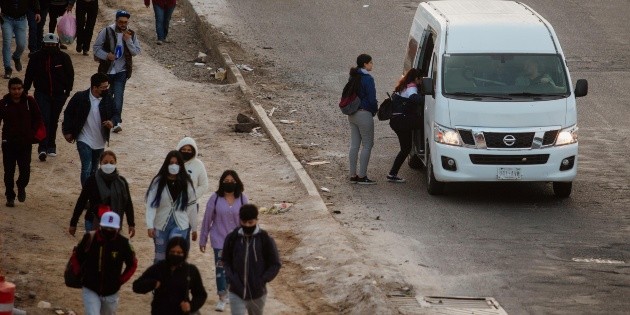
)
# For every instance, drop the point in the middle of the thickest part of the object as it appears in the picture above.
(426, 50)
(412, 50)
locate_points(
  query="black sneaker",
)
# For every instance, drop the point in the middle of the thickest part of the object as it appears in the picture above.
(395, 179)
(354, 179)
(11, 203)
(7, 74)
(85, 53)
(365, 181)
(42, 156)
(18, 64)
(21, 194)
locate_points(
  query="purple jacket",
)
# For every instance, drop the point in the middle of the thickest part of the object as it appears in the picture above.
(219, 221)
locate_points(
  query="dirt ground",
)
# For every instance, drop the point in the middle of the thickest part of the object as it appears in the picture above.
(330, 265)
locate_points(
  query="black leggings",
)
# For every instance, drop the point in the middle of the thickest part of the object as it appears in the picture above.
(404, 137)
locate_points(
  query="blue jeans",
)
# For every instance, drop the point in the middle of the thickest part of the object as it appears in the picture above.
(12, 27)
(50, 107)
(163, 236)
(250, 307)
(89, 226)
(117, 86)
(89, 160)
(220, 273)
(99, 305)
(162, 20)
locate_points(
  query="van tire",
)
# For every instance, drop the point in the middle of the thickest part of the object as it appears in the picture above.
(562, 189)
(434, 187)
(415, 162)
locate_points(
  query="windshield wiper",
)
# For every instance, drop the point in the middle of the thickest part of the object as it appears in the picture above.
(480, 95)
(535, 94)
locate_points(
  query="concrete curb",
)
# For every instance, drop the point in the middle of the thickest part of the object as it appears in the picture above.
(234, 75)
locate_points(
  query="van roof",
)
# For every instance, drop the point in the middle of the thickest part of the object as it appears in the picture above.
(494, 26)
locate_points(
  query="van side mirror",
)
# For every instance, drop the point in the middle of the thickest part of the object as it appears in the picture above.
(427, 87)
(581, 88)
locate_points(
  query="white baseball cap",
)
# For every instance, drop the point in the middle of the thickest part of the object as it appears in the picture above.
(50, 38)
(110, 219)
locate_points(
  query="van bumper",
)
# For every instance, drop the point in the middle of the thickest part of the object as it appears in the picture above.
(488, 171)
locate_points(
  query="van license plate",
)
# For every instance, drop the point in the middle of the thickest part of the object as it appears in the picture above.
(509, 173)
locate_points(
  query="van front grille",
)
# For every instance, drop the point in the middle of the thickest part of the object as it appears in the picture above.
(467, 136)
(487, 159)
(550, 137)
(497, 140)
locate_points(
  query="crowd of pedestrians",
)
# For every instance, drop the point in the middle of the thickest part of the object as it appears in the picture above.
(245, 256)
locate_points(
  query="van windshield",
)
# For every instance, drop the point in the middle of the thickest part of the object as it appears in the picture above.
(504, 76)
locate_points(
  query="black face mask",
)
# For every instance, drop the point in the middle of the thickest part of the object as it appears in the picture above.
(229, 187)
(108, 234)
(187, 155)
(174, 260)
(248, 230)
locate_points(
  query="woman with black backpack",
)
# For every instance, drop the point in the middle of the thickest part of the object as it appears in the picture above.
(407, 109)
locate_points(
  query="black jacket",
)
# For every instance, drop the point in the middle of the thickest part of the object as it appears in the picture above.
(173, 288)
(250, 262)
(50, 72)
(102, 263)
(78, 109)
(20, 120)
(90, 193)
(7, 8)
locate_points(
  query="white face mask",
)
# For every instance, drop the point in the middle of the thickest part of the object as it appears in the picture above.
(173, 169)
(108, 168)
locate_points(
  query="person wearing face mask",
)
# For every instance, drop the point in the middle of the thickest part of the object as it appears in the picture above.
(87, 120)
(173, 281)
(105, 187)
(251, 260)
(50, 70)
(220, 218)
(171, 204)
(102, 255)
(114, 49)
(195, 168)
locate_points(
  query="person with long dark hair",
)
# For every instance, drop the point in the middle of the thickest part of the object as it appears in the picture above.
(106, 187)
(406, 117)
(362, 121)
(173, 281)
(220, 219)
(171, 204)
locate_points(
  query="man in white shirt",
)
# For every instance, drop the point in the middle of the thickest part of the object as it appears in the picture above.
(88, 119)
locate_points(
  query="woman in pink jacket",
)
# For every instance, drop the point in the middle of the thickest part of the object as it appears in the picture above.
(163, 10)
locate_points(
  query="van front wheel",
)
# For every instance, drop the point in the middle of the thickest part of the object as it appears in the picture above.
(434, 187)
(562, 189)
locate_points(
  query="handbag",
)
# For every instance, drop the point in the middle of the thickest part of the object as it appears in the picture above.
(385, 110)
(73, 275)
(40, 132)
(350, 104)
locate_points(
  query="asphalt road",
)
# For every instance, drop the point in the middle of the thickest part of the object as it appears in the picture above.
(517, 243)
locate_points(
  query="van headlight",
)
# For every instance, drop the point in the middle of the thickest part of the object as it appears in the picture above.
(445, 135)
(567, 136)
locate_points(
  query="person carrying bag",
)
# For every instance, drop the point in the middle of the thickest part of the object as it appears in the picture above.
(407, 109)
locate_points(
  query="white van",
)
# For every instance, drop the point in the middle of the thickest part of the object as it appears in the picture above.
(499, 105)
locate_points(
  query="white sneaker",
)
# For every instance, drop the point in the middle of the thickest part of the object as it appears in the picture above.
(220, 306)
(117, 128)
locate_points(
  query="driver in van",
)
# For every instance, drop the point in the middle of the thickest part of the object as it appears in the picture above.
(532, 76)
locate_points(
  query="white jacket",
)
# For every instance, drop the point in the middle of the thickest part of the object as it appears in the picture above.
(195, 168)
(158, 217)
